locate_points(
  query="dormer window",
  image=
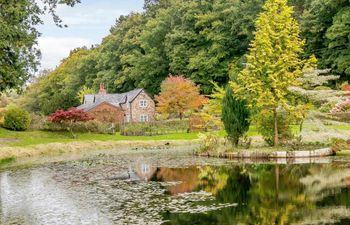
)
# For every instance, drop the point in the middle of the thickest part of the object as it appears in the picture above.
(143, 103)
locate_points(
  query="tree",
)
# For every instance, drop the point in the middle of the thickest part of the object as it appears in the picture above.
(18, 37)
(69, 118)
(235, 116)
(178, 95)
(273, 61)
(326, 29)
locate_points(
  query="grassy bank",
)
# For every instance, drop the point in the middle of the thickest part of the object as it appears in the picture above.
(32, 143)
(31, 138)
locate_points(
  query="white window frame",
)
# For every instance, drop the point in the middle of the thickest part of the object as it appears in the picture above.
(143, 103)
(143, 118)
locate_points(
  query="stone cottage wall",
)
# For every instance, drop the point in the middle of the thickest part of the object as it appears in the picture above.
(137, 110)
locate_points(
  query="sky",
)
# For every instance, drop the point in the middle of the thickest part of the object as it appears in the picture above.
(88, 23)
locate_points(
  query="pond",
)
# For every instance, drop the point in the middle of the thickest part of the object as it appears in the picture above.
(173, 187)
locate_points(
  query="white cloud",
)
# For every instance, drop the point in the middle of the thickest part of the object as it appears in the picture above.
(87, 22)
(55, 49)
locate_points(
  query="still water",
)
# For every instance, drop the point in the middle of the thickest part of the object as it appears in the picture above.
(173, 187)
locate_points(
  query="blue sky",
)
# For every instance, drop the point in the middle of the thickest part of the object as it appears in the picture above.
(88, 22)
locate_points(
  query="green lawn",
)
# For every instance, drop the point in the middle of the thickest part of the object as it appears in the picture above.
(27, 138)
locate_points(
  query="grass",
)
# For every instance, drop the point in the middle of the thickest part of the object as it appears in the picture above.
(30, 138)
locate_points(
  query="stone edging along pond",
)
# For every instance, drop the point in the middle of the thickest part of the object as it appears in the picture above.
(272, 155)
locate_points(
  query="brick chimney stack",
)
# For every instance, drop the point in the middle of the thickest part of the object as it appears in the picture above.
(102, 90)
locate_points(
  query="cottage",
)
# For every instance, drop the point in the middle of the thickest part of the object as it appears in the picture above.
(132, 106)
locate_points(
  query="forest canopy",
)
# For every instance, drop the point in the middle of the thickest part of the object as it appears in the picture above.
(204, 40)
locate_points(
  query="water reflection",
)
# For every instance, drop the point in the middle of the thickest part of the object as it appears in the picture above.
(273, 194)
(161, 189)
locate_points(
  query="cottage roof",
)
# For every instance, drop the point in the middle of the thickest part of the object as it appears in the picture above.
(91, 101)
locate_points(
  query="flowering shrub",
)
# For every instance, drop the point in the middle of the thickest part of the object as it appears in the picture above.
(341, 107)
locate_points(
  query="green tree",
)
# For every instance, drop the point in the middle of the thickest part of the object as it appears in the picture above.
(273, 61)
(325, 26)
(235, 116)
(18, 37)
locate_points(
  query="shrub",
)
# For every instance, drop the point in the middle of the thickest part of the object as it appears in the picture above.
(338, 144)
(92, 126)
(265, 126)
(327, 107)
(69, 118)
(341, 107)
(37, 122)
(2, 114)
(16, 119)
(155, 128)
(208, 142)
(235, 116)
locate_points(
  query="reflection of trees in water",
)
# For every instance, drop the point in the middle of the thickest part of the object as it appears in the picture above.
(269, 194)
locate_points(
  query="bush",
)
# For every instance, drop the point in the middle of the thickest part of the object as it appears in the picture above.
(208, 142)
(16, 119)
(155, 128)
(37, 122)
(2, 114)
(265, 126)
(327, 107)
(92, 126)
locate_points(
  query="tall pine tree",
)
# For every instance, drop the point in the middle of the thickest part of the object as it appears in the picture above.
(273, 61)
(235, 116)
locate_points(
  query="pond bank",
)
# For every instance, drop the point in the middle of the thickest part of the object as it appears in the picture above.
(83, 147)
(256, 154)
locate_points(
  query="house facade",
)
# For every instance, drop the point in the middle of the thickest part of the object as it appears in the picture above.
(132, 106)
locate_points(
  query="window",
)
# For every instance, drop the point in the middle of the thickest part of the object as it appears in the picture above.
(143, 103)
(144, 118)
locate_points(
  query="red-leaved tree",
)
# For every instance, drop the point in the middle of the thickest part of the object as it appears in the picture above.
(69, 117)
(179, 95)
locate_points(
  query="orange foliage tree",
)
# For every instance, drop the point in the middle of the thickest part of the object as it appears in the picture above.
(178, 95)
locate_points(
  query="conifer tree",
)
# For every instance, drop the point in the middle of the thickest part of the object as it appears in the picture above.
(273, 61)
(235, 116)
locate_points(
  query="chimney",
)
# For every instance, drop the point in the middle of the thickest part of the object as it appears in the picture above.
(102, 90)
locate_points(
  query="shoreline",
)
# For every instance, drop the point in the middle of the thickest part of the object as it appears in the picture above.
(276, 155)
(54, 149)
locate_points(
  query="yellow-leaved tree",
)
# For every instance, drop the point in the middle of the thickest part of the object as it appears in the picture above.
(273, 62)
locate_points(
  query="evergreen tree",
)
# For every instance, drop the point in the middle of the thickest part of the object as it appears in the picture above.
(235, 116)
(273, 61)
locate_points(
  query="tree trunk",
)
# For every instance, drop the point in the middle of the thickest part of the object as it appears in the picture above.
(301, 126)
(277, 181)
(275, 118)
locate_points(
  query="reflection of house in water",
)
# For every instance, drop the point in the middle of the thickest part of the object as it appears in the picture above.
(144, 169)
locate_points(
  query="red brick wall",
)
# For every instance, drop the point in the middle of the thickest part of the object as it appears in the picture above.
(108, 113)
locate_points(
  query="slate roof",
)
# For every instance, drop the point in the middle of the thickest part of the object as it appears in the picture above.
(91, 101)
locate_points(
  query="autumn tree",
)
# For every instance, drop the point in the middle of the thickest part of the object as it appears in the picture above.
(178, 95)
(69, 118)
(273, 62)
